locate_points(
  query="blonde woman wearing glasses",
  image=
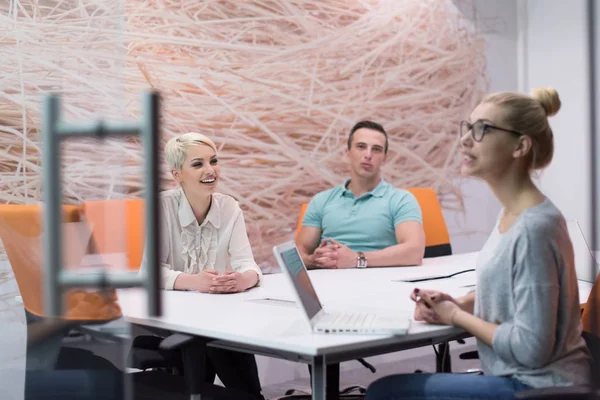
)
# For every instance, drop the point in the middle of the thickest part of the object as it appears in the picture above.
(525, 311)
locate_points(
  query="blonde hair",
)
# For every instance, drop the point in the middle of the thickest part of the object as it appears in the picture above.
(528, 115)
(176, 148)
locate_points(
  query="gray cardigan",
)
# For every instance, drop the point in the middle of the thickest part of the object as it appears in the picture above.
(526, 283)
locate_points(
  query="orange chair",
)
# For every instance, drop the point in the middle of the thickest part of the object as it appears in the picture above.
(590, 320)
(21, 235)
(117, 227)
(590, 317)
(437, 238)
(300, 218)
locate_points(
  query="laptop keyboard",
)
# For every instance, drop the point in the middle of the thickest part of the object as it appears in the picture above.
(350, 320)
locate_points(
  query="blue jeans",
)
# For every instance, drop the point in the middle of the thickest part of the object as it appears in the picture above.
(443, 387)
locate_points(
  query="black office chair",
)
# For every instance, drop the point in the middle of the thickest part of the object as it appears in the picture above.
(177, 361)
(146, 354)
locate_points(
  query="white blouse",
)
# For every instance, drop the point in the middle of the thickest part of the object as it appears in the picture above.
(219, 243)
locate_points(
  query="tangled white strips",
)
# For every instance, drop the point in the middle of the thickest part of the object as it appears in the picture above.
(277, 84)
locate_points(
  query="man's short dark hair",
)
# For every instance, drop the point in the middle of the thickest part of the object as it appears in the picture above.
(374, 126)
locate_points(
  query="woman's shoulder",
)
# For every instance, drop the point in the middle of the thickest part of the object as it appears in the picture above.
(226, 202)
(170, 198)
(544, 217)
(544, 224)
(228, 208)
(169, 194)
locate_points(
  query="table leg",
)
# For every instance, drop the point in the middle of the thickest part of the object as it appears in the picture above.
(319, 378)
(332, 381)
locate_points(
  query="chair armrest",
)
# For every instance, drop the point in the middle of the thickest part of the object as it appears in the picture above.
(469, 355)
(176, 341)
(559, 393)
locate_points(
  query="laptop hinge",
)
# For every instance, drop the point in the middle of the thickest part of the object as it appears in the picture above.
(318, 316)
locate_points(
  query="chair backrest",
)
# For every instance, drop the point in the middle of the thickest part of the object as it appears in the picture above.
(118, 227)
(136, 232)
(437, 238)
(300, 218)
(21, 234)
(590, 320)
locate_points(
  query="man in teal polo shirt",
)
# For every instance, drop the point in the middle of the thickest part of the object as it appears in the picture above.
(366, 222)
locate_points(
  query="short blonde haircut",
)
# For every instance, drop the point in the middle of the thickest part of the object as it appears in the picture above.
(529, 115)
(176, 148)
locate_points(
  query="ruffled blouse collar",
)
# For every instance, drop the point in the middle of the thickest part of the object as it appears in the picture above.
(198, 242)
(187, 217)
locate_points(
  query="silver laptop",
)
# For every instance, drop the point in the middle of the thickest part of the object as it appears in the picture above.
(332, 322)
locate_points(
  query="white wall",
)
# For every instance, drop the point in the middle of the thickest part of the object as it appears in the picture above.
(535, 43)
(557, 55)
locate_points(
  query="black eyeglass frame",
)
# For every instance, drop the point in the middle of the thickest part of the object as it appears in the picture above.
(485, 128)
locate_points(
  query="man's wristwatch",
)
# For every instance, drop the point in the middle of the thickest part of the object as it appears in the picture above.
(361, 260)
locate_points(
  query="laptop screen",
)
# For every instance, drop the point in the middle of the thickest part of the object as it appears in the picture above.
(306, 292)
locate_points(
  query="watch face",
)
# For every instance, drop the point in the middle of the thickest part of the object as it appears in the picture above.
(361, 261)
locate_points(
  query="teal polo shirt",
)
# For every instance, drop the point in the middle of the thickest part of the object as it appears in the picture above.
(365, 223)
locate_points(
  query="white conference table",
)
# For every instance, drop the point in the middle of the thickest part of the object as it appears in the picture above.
(267, 321)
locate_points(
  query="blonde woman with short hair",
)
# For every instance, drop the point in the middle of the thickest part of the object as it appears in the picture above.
(204, 244)
(205, 247)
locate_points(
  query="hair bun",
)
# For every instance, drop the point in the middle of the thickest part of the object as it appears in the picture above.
(548, 99)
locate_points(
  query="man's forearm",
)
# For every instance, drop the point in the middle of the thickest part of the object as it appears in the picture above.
(307, 259)
(403, 254)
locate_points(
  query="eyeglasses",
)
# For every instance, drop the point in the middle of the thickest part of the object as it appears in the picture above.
(479, 129)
